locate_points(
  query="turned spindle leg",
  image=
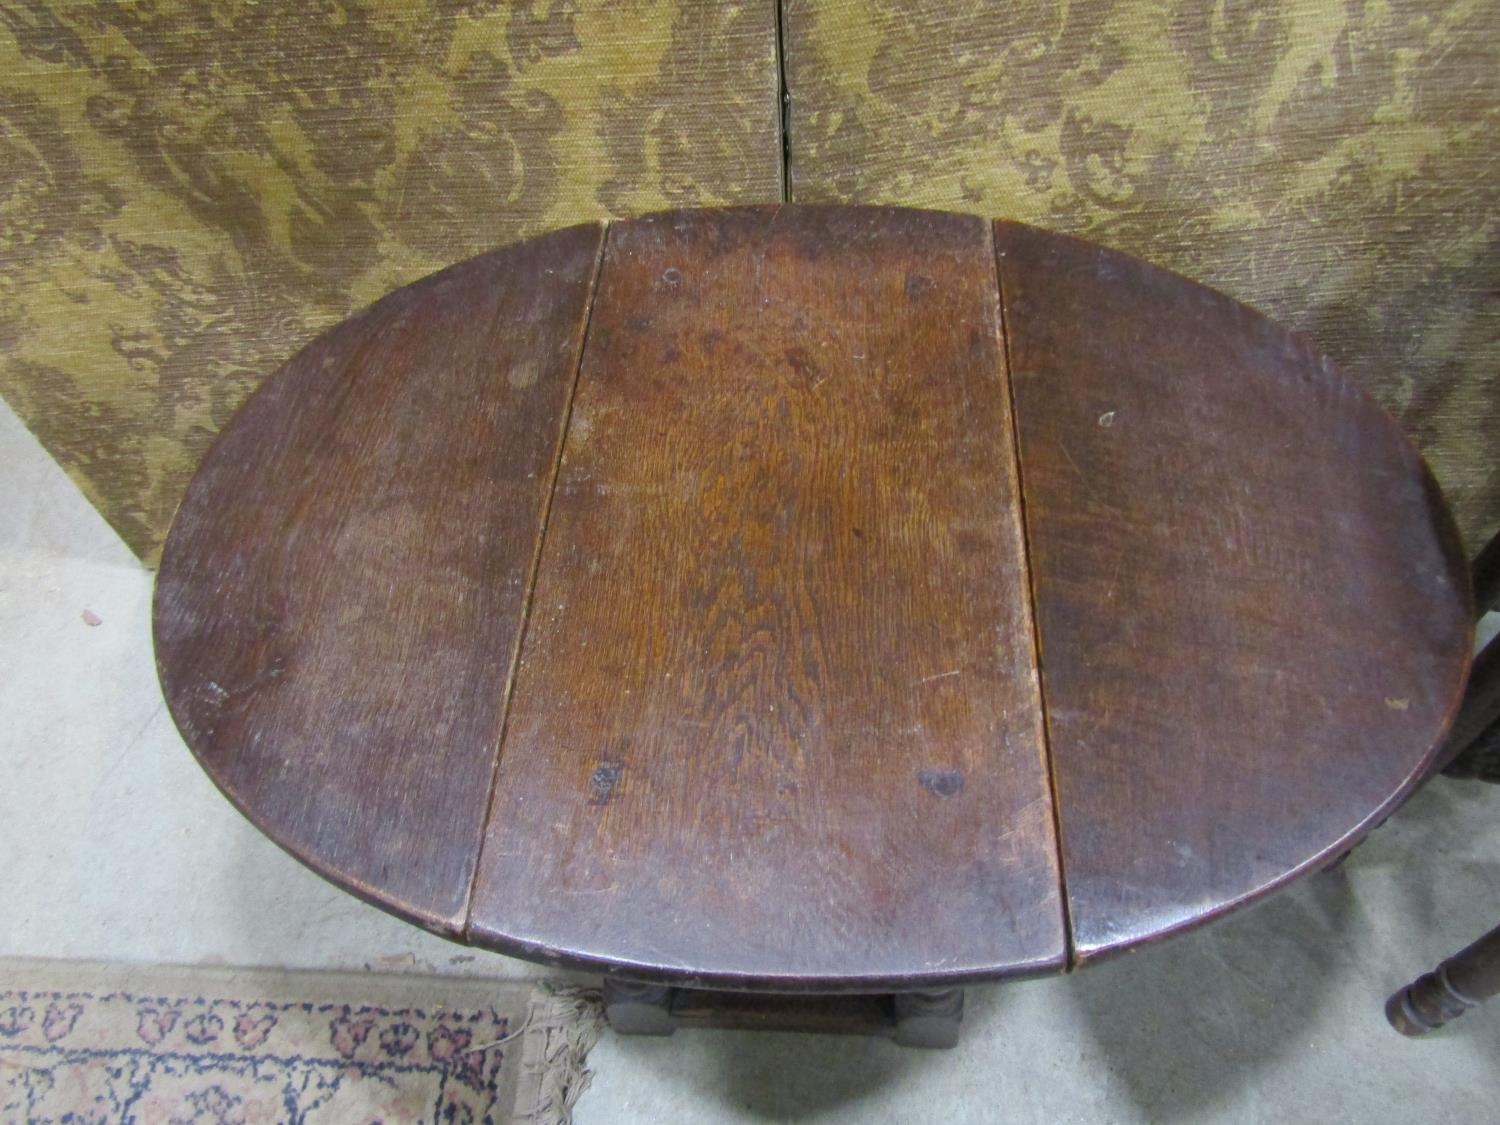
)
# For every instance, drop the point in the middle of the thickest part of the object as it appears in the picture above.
(1466, 979)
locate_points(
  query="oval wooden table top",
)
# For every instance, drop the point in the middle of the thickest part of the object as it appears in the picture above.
(812, 598)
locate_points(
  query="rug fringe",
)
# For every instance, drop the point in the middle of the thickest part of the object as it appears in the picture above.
(563, 1026)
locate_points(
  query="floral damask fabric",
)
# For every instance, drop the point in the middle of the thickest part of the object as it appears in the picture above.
(1335, 163)
(189, 190)
(192, 189)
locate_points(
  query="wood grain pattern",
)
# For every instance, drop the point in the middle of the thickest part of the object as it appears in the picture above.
(776, 721)
(341, 596)
(1252, 604)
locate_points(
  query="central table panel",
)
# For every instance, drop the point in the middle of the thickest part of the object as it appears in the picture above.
(776, 720)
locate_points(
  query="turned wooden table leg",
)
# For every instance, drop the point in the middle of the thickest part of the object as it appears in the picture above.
(1465, 980)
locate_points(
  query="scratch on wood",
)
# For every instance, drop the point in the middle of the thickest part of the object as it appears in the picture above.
(939, 676)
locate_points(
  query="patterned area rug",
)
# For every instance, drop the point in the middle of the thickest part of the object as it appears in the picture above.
(95, 1044)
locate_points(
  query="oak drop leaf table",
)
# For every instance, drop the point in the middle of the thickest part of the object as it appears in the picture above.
(837, 602)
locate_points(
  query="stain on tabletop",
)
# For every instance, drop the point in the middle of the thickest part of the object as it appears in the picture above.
(942, 783)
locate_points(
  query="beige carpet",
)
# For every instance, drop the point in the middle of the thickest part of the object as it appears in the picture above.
(112, 1043)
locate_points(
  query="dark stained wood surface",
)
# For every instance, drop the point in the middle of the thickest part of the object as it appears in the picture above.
(1487, 576)
(912, 1019)
(1252, 604)
(690, 635)
(1465, 980)
(342, 592)
(1473, 746)
(1471, 749)
(776, 720)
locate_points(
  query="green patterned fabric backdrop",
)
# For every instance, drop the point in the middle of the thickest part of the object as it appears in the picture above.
(1335, 163)
(190, 189)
